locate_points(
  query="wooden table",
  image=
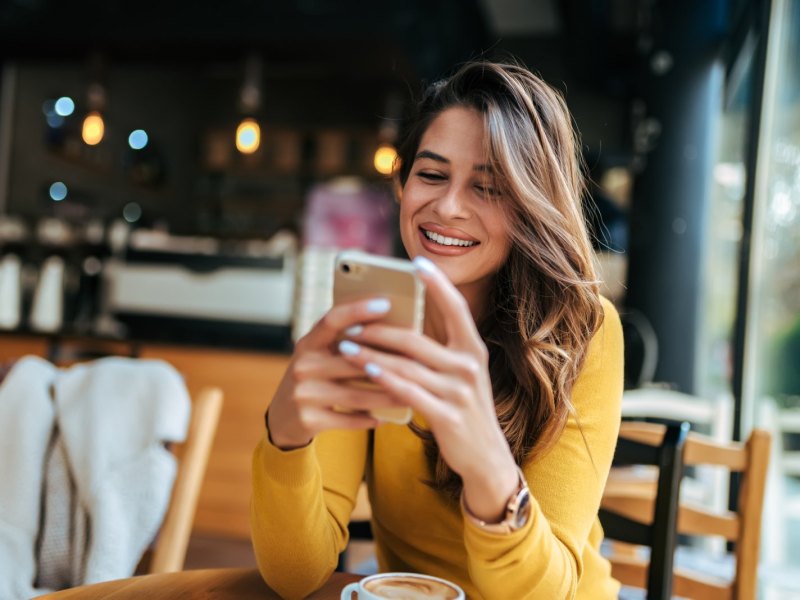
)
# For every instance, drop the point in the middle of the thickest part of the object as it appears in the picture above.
(203, 584)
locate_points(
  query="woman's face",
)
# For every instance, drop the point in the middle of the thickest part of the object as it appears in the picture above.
(450, 210)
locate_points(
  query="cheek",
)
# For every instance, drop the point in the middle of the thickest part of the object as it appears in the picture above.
(410, 203)
(501, 233)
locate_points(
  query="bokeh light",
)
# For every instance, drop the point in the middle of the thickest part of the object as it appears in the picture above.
(385, 157)
(248, 136)
(64, 106)
(93, 129)
(58, 191)
(138, 139)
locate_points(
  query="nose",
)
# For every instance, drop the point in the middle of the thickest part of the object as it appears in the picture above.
(452, 204)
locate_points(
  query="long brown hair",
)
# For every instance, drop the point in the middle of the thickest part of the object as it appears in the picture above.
(545, 306)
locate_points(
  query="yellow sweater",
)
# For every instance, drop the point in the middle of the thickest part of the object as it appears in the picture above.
(302, 501)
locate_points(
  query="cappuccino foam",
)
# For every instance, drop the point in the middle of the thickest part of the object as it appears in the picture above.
(410, 588)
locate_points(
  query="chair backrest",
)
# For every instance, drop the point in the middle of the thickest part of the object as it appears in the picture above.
(173, 538)
(707, 485)
(653, 526)
(742, 527)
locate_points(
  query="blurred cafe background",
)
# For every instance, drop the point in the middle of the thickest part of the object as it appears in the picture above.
(175, 178)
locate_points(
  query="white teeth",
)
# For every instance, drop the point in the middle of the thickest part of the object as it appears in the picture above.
(446, 241)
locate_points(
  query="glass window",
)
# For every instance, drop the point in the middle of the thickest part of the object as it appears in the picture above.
(723, 241)
(772, 356)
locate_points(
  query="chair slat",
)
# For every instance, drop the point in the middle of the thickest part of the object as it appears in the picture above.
(629, 570)
(637, 505)
(704, 451)
(700, 449)
(695, 520)
(691, 584)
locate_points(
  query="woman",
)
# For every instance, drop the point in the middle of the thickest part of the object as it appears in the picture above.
(520, 363)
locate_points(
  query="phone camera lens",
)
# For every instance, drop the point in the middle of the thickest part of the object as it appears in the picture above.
(345, 268)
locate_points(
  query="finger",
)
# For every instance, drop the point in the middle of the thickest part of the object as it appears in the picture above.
(458, 321)
(442, 386)
(406, 342)
(410, 394)
(326, 419)
(342, 316)
(324, 394)
(323, 365)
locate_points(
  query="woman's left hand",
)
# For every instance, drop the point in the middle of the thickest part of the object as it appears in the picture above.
(449, 385)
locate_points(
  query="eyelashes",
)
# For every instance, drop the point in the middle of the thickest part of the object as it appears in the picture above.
(483, 190)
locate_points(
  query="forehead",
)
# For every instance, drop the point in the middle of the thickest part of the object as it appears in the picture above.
(458, 134)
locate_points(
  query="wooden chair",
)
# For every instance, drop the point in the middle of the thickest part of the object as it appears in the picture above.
(170, 548)
(655, 529)
(706, 485)
(742, 527)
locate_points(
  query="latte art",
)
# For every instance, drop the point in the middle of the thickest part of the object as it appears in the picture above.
(410, 588)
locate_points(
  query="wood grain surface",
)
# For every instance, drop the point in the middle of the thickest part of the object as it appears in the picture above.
(210, 584)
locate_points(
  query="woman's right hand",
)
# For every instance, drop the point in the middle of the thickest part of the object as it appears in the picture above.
(315, 381)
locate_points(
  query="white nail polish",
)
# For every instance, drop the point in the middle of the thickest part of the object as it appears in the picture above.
(349, 348)
(424, 265)
(354, 330)
(379, 305)
(372, 369)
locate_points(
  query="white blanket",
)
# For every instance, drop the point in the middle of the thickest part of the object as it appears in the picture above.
(111, 419)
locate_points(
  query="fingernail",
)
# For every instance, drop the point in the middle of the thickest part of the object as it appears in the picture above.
(354, 330)
(349, 348)
(379, 305)
(372, 369)
(424, 265)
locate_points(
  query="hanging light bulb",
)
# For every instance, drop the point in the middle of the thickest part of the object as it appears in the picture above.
(385, 157)
(248, 136)
(93, 128)
(248, 133)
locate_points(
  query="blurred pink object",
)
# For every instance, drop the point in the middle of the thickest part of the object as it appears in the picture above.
(348, 213)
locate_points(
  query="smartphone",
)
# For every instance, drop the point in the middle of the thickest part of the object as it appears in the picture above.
(358, 276)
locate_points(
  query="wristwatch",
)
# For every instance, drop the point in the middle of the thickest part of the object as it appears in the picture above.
(517, 513)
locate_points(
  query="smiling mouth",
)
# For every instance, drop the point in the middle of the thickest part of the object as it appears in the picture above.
(447, 241)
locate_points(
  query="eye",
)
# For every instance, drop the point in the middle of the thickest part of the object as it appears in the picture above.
(431, 176)
(487, 190)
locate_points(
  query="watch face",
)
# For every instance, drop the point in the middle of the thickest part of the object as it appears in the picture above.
(523, 512)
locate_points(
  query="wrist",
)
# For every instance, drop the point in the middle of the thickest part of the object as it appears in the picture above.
(280, 439)
(517, 513)
(486, 493)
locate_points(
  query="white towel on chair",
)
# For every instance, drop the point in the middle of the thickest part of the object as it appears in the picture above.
(114, 416)
(106, 422)
(26, 423)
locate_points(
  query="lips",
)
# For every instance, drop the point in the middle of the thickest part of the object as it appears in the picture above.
(445, 241)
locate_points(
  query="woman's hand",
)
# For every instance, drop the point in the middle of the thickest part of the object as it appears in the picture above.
(315, 382)
(449, 385)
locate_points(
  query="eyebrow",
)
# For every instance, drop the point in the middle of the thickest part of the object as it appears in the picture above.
(442, 159)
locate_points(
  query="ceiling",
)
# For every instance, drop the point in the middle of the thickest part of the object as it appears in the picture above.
(415, 37)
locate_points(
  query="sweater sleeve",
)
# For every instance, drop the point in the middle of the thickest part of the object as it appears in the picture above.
(543, 559)
(301, 505)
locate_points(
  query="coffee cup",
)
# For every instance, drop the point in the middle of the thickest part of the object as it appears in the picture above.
(402, 586)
